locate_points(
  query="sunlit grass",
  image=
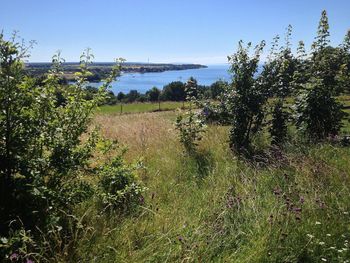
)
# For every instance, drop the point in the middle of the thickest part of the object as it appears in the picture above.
(141, 107)
(214, 207)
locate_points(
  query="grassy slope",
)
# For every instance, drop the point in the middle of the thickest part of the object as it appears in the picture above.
(215, 208)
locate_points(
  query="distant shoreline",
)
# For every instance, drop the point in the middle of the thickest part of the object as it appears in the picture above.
(100, 70)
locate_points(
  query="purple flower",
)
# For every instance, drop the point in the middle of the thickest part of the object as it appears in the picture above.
(14, 256)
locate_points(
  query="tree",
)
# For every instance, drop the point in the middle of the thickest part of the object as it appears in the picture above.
(343, 76)
(319, 114)
(245, 99)
(322, 38)
(217, 88)
(283, 87)
(174, 91)
(153, 94)
(325, 60)
(302, 68)
(121, 96)
(133, 95)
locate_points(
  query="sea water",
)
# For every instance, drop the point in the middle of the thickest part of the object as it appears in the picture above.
(145, 81)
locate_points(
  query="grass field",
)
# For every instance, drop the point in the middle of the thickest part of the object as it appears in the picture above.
(141, 107)
(214, 207)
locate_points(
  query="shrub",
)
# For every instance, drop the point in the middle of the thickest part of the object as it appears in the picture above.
(118, 187)
(46, 147)
(319, 114)
(191, 124)
(246, 98)
(279, 123)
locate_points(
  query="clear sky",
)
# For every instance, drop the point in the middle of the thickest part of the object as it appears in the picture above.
(198, 31)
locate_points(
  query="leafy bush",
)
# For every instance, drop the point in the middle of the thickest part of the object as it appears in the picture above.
(191, 124)
(319, 114)
(279, 123)
(118, 187)
(191, 127)
(246, 98)
(47, 147)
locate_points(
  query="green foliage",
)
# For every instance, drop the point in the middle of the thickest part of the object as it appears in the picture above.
(153, 94)
(174, 91)
(326, 61)
(322, 38)
(46, 148)
(217, 89)
(319, 114)
(279, 123)
(343, 77)
(302, 68)
(191, 125)
(133, 95)
(246, 98)
(118, 187)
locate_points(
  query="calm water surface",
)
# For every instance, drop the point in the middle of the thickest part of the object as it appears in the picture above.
(145, 81)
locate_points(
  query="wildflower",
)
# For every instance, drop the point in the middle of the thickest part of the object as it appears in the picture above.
(14, 256)
(310, 236)
(321, 243)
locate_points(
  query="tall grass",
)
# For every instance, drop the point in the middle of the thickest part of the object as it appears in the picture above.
(214, 207)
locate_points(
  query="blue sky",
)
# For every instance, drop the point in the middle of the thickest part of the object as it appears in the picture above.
(198, 31)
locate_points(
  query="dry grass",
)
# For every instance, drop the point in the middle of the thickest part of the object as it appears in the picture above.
(142, 133)
(214, 207)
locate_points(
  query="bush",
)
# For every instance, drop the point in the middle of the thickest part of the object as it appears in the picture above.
(279, 123)
(118, 187)
(245, 100)
(46, 147)
(319, 114)
(191, 124)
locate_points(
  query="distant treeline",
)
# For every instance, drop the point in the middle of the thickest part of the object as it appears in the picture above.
(100, 71)
(174, 91)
